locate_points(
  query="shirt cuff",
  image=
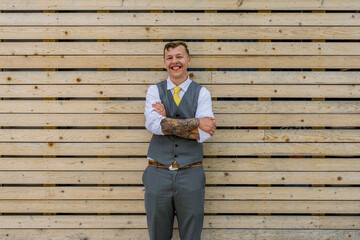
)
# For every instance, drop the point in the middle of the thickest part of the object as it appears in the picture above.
(157, 130)
(203, 136)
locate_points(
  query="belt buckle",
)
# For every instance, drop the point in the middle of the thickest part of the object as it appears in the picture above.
(173, 169)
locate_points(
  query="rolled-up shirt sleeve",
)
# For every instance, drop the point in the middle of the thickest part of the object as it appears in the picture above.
(204, 109)
(153, 118)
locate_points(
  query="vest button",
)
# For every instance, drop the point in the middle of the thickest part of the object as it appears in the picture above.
(175, 156)
(176, 145)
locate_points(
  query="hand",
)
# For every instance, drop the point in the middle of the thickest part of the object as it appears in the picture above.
(208, 125)
(159, 108)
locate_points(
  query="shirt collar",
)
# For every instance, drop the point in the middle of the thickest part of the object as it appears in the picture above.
(184, 86)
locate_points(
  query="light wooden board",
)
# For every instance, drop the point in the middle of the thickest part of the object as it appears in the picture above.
(211, 193)
(141, 234)
(213, 32)
(202, 77)
(287, 120)
(137, 135)
(139, 91)
(335, 62)
(137, 206)
(293, 175)
(316, 149)
(212, 149)
(280, 164)
(210, 164)
(195, 48)
(132, 177)
(137, 106)
(222, 120)
(180, 19)
(176, 5)
(210, 222)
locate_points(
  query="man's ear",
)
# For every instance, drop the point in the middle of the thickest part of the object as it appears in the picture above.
(189, 60)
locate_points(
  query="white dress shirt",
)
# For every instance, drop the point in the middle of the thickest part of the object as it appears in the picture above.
(153, 118)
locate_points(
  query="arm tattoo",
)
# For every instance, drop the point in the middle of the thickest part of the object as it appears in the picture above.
(185, 128)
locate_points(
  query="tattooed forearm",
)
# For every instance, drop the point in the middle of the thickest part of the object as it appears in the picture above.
(180, 127)
(192, 134)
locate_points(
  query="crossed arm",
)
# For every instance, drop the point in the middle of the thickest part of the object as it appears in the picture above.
(185, 128)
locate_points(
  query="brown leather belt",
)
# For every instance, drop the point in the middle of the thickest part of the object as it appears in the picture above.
(174, 165)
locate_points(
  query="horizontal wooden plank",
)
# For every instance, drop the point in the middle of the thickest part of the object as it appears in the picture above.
(67, 234)
(139, 91)
(183, 5)
(180, 19)
(287, 120)
(286, 77)
(211, 193)
(315, 149)
(207, 234)
(281, 193)
(210, 164)
(210, 149)
(72, 119)
(15, 62)
(134, 177)
(287, 106)
(222, 120)
(202, 77)
(78, 135)
(137, 206)
(215, 32)
(283, 234)
(102, 106)
(74, 91)
(123, 106)
(210, 222)
(282, 207)
(137, 135)
(195, 48)
(281, 164)
(305, 136)
(290, 91)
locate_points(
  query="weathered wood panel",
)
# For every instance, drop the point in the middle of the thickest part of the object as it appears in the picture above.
(141, 234)
(137, 135)
(196, 48)
(180, 19)
(137, 106)
(213, 32)
(205, 78)
(212, 193)
(88, 141)
(139, 91)
(138, 206)
(222, 120)
(134, 177)
(330, 62)
(176, 5)
(211, 164)
(210, 222)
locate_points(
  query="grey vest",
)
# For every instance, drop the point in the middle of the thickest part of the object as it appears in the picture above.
(166, 149)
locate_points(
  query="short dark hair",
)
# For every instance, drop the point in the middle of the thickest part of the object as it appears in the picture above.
(176, 44)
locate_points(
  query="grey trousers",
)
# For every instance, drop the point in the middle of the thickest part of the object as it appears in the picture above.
(169, 192)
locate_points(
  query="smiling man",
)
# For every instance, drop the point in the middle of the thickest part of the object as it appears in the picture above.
(179, 114)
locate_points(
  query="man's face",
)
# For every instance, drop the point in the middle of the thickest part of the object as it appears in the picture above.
(176, 62)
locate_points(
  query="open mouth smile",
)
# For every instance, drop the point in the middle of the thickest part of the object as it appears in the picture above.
(175, 68)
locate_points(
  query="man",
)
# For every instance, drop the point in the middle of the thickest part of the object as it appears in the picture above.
(179, 114)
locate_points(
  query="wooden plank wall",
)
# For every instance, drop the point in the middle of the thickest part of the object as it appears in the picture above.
(73, 143)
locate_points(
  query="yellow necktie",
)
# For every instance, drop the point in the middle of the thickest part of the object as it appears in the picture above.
(177, 98)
